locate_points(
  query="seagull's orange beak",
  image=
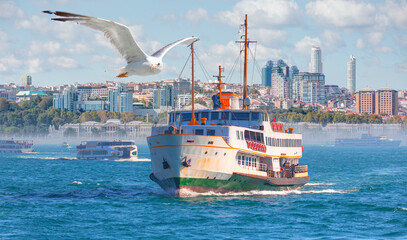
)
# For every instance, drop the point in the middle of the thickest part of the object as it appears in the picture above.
(153, 67)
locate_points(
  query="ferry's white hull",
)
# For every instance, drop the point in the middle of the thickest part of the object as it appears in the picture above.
(203, 163)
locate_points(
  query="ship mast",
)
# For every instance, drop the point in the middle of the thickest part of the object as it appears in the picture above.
(245, 64)
(193, 119)
(220, 84)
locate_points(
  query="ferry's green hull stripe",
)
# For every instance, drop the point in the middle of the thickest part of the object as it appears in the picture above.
(235, 183)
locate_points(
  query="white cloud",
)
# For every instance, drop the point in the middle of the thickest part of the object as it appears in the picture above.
(360, 43)
(383, 49)
(375, 38)
(34, 66)
(304, 45)
(3, 40)
(396, 13)
(10, 64)
(8, 10)
(63, 62)
(269, 37)
(78, 49)
(342, 13)
(197, 15)
(263, 12)
(39, 48)
(402, 67)
(332, 40)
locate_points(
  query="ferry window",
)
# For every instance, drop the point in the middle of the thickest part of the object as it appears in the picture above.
(254, 162)
(205, 115)
(241, 135)
(237, 135)
(248, 160)
(177, 117)
(199, 132)
(186, 116)
(171, 117)
(225, 115)
(243, 160)
(240, 116)
(238, 159)
(247, 135)
(214, 116)
(255, 116)
(210, 132)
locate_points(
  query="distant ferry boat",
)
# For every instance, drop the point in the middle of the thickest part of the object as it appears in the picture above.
(107, 150)
(365, 140)
(16, 146)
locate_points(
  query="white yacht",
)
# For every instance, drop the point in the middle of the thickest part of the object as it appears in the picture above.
(16, 146)
(107, 150)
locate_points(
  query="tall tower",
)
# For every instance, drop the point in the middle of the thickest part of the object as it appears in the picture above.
(315, 66)
(26, 80)
(352, 74)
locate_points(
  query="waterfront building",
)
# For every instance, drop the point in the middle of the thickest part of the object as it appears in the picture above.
(69, 99)
(351, 80)
(315, 66)
(386, 101)
(281, 84)
(309, 87)
(26, 80)
(365, 101)
(266, 74)
(28, 95)
(183, 100)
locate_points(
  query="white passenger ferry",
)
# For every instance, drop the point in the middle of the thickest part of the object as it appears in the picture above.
(107, 150)
(16, 146)
(226, 149)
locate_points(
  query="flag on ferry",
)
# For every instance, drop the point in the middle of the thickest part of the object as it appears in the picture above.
(274, 119)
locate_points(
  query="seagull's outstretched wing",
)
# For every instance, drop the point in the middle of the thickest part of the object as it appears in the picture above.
(185, 41)
(119, 35)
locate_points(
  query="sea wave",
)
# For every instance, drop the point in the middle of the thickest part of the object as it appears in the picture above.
(189, 193)
(77, 182)
(134, 160)
(319, 184)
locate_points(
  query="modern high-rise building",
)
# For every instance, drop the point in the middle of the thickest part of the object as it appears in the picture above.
(309, 87)
(266, 74)
(365, 101)
(69, 99)
(315, 66)
(352, 74)
(281, 84)
(386, 101)
(120, 99)
(165, 97)
(26, 80)
(293, 71)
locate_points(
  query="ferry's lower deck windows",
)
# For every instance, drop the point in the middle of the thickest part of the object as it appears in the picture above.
(247, 162)
(210, 132)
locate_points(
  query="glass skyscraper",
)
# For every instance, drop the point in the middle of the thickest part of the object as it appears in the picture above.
(266, 74)
(309, 87)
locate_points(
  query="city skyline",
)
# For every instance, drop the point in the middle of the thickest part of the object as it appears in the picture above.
(57, 53)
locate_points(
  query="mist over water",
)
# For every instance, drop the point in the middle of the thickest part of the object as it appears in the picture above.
(353, 193)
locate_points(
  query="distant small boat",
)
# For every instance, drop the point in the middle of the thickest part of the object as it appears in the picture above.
(16, 146)
(366, 140)
(66, 145)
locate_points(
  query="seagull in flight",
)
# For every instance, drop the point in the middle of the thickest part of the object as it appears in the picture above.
(138, 62)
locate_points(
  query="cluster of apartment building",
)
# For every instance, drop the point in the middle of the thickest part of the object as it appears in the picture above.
(384, 100)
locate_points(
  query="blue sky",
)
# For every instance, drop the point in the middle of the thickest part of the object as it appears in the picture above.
(54, 53)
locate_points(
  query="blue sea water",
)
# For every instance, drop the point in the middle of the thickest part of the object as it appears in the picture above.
(354, 193)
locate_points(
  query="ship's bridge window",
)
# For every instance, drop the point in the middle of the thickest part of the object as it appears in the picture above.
(240, 116)
(214, 115)
(225, 115)
(204, 115)
(199, 132)
(254, 136)
(188, 116)
(255, 116)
